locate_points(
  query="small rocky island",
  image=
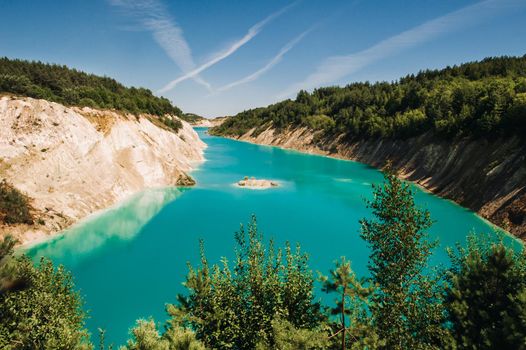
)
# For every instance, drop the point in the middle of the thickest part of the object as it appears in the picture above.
(256, 184)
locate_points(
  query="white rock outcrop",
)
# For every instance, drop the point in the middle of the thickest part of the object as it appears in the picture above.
(256, 184)
(74, 161)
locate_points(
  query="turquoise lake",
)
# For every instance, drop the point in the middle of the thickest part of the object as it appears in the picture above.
(130, 260)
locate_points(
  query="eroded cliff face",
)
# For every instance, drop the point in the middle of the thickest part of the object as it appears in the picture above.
(72, 162)
(488, 177)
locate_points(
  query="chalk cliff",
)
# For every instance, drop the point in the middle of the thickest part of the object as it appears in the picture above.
(74, 161)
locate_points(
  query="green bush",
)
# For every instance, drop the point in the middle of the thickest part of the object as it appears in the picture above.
(486, 295)
(172, 123)
(14, 206)
(42, 310)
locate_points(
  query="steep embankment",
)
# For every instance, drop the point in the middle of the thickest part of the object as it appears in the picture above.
(488, 177)
(73, 161)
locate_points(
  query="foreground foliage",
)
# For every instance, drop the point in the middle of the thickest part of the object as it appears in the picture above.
(477, 99)
(288, 337)
(43, 312)
(265, 298)
(354, 325)
(486, 296)
(235, 307)
(147, 337)
(406, 306)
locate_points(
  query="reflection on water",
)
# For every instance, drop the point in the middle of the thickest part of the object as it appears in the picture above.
(121, 222)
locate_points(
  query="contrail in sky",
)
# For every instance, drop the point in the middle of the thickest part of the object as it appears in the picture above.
(153, 16)
(337, 67)
(275, 60)
(252, 32)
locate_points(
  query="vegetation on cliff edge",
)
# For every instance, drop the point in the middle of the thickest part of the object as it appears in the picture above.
(477, 99)
(14, 206)
(71, 87)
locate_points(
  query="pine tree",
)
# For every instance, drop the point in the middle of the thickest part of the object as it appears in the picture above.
(235, 307)
(351, 305)
(406, 303)
(486, 295)
(146, 336)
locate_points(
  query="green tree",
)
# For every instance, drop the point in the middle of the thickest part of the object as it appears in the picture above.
(406, 303)
(288, 337)
(145, 336)
(47, 314)
(234, 308)
(351, 306)
(486, 295)
(11, 278)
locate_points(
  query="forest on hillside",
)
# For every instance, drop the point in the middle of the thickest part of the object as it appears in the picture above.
(71, 87)
(476, 99)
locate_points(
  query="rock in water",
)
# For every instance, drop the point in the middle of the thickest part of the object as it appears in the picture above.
(256, 184)
(185, 180)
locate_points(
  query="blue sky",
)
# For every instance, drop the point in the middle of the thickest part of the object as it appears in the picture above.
(218, 58)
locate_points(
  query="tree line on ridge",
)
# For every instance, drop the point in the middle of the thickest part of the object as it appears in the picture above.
(71, 87)
(477, 99)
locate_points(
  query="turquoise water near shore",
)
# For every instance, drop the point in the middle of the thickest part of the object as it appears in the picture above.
(130, 260)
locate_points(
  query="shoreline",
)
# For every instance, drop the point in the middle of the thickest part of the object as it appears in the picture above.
(87, 160)
(401, 175)
(56, 235)
(49, 237)
(42, 236)
(92, 216)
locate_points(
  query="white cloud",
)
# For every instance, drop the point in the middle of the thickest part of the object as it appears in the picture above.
(337, 67)
(153, 16)
(252, 32)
